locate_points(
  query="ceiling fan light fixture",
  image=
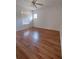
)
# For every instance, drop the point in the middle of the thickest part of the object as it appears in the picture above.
(35, 4)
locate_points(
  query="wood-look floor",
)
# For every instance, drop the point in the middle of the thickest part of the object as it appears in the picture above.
(37, 43)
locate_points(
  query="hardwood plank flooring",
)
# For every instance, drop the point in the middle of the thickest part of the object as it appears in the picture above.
(38, 43)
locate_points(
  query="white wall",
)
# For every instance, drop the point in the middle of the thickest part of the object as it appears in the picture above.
(22, 27)
(22, 14)
(49, 17)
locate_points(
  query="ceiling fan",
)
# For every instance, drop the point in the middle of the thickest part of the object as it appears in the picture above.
(34, 2)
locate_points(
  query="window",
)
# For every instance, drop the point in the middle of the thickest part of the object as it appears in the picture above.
(27, 20)
(35, 16)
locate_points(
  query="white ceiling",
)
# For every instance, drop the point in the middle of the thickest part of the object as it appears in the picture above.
(25, 6)
(28, 5)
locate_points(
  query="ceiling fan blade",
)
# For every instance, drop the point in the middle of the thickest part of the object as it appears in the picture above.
(39, 4)
(35, 5)
(34, 1)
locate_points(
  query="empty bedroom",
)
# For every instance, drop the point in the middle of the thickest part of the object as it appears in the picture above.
(38, 29)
